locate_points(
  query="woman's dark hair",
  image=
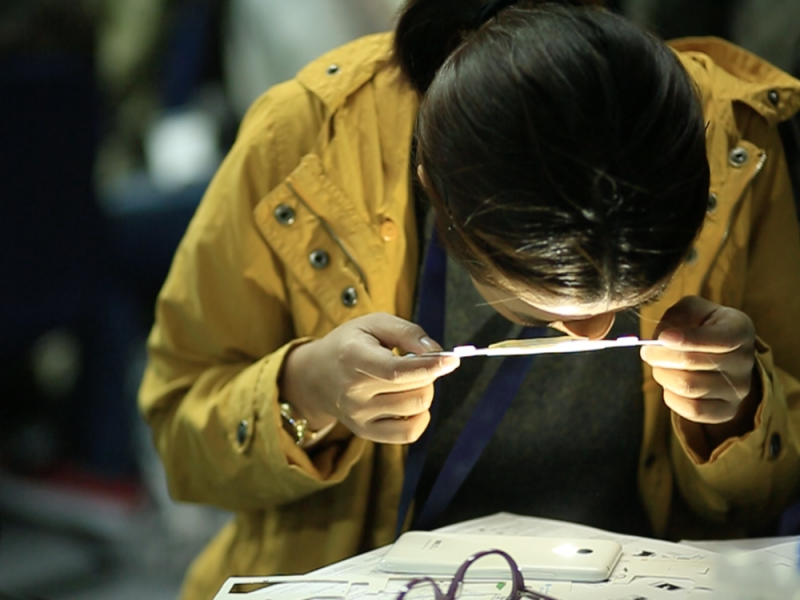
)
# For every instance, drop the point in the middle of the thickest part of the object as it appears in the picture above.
(562, 146)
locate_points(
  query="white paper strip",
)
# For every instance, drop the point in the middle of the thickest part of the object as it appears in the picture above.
(552, 345)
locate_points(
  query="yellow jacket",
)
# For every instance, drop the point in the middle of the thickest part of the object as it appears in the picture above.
(322, 163)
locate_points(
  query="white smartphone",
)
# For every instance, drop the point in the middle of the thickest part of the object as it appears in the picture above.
(553, 559)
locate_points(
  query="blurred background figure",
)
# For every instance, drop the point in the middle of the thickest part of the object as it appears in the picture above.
(114, 115)
(768, 28)
(268, 42)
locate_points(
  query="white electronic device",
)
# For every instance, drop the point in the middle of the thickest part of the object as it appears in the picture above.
(553, 559)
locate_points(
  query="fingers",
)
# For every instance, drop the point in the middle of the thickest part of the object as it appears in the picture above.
(703, 384)
(398, 418)
(696, 324)
(672, 358)
(408, 372)
(704, 411)
(390, 405)
(397, 431)
(690, 311)
(368, 352)
(377, 394)
(393, 332)
(386, 372)
(706, 364)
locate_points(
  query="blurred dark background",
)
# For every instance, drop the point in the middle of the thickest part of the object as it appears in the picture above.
(114, 114)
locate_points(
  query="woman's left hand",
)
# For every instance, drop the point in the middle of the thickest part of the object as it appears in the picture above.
(707, 365)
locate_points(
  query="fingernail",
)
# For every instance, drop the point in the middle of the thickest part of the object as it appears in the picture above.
(671, 336)
(429, 344)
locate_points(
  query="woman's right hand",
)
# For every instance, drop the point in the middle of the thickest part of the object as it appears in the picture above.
(352, 376)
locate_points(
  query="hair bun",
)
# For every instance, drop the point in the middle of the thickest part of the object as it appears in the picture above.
(428, 31)
(491, 8)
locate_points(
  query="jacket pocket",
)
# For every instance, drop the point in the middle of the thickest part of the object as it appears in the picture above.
(325, 279)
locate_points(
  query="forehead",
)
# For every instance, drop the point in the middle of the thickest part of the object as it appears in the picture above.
(524, 301)
(567, 307)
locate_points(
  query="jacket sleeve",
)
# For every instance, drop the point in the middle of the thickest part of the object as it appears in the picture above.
(749, 480)
(223, 327)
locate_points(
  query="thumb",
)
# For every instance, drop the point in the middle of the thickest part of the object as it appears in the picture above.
(393, 332)
(688, 313)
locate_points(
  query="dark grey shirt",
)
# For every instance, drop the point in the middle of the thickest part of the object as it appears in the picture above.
(568, 447)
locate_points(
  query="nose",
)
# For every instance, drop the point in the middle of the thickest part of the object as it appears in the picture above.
(594, 328)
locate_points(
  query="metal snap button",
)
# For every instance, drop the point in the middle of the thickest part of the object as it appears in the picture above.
(241, 431)
(773, 97)
(284, 214)
(349, 297)
(775, 445)
(388, 230)
(712, 203)
(319, 259)
(333, 69)
(691, 258)
(738, 156)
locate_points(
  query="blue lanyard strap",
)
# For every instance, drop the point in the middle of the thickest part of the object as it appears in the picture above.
(433, 285)
(482, 423)
(475, 436)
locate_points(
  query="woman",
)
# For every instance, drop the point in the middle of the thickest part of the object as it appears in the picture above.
(577, 170)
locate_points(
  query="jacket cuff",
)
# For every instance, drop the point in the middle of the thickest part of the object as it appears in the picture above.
(256, 429)
(692, 435)
(740, 469)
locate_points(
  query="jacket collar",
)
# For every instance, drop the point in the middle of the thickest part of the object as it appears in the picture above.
(735, 73)
(738, 75)
(339, 73)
